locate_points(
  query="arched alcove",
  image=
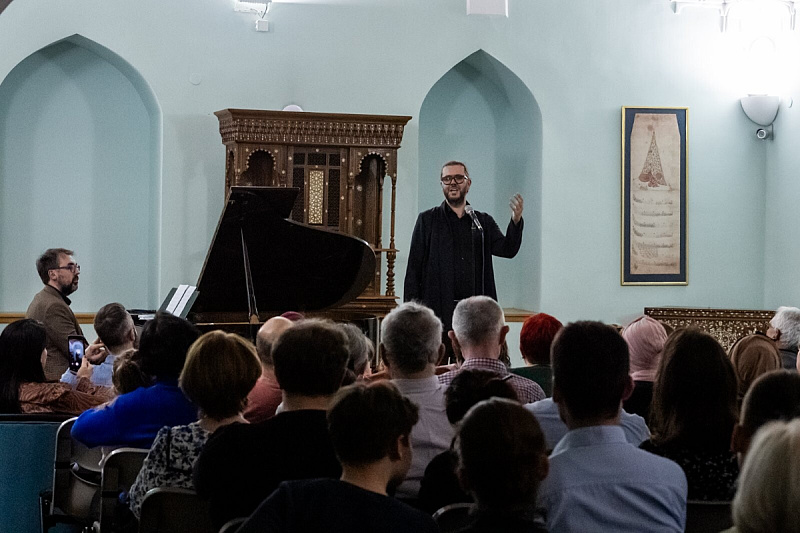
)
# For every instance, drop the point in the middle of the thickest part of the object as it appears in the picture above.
(481, 113)
(80, 167)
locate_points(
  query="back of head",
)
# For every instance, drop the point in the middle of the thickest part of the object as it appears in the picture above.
(769, 483)
(310, 358)
(752, 356)
(113, 324)
(694, 395)
(645, 337)
(471, 386)
(477, 320)
(164, 343)
(48, 261)
(127, 375)
(220, 371)
(358, 350)
(590, 369)
(21, 346)
(502, 455)
(267, 335)
(411, 335)
(787, 320)
(537, 336)
(365, 421)
(773, 396)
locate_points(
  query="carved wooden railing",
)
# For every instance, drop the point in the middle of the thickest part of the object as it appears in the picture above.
(726, 325)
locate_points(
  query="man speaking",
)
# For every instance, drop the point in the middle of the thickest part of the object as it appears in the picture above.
(452, 247)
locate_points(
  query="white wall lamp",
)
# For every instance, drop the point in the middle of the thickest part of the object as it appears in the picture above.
(259, 7)
(724, 8)
(761, 109)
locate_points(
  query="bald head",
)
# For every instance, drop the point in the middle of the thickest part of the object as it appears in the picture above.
(267, 336)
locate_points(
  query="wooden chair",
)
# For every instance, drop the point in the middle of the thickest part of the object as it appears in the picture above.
(120, 469)
(171, 510)
(232, 526)
(453, 517)
(708, 516)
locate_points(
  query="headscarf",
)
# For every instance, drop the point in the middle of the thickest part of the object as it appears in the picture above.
(645, 337)
(753, 355)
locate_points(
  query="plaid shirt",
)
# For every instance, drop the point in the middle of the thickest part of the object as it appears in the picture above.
(528, 391)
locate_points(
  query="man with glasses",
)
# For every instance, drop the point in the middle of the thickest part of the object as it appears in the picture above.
(452, 247)
(59, 273)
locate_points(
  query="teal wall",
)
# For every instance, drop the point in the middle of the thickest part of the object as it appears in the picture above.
(578, 62)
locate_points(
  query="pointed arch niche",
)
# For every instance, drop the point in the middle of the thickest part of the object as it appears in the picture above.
(80, 167)
(481, 113)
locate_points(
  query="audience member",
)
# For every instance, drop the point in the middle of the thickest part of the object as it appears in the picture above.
(773, 396)
(479, 332)
(266, 396)
(59, 272)
(358, 365)
(411, 345)
(693, 413)
(369, 427)
(23, 387)
(752, 356)
(598, 481)
(440, 485)
(221, 369)
(243, 463)
(645, 337)
(769, 485)
(535, 339)
(133, 419)
(127, 375)
(502, 461)
(784, 329)
(115, 334)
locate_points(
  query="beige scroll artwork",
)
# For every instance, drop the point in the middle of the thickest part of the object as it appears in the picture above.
(655, 194)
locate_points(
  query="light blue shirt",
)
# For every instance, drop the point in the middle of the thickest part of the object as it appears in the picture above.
(546, 413)
(600, 482)
(101, 374)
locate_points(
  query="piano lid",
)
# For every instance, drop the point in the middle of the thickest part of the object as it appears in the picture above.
(294, 266)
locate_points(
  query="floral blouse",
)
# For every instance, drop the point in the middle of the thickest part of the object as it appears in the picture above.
(170, 462)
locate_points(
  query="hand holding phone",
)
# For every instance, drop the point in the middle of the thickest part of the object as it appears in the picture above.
(77, 349)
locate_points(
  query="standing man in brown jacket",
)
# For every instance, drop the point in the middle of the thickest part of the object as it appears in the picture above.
(50, 306)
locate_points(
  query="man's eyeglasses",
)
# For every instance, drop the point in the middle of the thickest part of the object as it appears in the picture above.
(72, 267)
(458, 178)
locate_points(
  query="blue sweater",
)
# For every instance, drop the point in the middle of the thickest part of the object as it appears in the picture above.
(133, 419)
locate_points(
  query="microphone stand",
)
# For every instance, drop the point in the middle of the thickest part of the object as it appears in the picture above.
(471, 212)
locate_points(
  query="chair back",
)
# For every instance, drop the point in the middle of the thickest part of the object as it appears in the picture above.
(171, 510)
(76, 476)
(453, 517)
(26, 468)
(120, 469)
(232, 526)
(708, 516)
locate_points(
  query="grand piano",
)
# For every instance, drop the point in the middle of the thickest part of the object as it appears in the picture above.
(261, 264)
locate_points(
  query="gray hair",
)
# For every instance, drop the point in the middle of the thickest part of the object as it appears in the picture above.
(411, 334)
(477, 319)
(787, 321)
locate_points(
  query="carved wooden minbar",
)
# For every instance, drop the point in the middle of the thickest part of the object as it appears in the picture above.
(339, 163)
(726, 325)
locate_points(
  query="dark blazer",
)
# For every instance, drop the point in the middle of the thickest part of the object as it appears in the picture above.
(51, 308)
(429, 275)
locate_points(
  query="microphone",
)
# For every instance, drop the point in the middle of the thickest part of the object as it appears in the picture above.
(471, 212)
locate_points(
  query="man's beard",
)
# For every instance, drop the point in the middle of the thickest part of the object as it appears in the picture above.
(455, 202)
(67, 289)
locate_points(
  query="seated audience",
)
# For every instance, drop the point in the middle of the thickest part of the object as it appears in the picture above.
(133, 419)
(645, 337)
(502, 461)
(115, 334)
(784, 329)
(128, 375)
(773, 396)
(358, 346)
(266, 396)
(752, 356)
(769, 485)
(535, 339)
(369, 428)
(440, 485)
(221, 369)
(598, 481)
(693, 413)
(243, 463)
(411, 345)
(23, 387)
(479, 332)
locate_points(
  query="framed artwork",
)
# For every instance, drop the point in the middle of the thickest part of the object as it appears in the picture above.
(654, 157)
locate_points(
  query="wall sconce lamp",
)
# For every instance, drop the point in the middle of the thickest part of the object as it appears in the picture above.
(259, 7)
(761, 109)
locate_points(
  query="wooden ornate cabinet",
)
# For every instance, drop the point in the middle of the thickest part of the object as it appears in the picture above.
(339, 162)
